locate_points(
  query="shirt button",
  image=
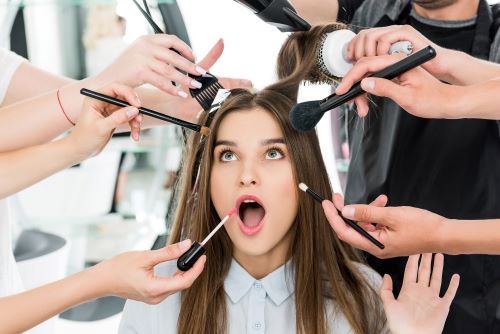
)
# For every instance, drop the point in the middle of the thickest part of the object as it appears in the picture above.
(257, 326)
(258, 285)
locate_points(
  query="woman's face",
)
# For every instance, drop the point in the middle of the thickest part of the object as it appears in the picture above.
(252, 172)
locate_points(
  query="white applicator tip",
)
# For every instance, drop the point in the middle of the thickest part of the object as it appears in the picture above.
(303, 187)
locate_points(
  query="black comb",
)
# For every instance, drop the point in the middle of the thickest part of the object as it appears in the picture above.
(206, 94)
(210, 84)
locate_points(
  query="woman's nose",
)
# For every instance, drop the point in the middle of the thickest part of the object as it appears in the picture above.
(248, 176)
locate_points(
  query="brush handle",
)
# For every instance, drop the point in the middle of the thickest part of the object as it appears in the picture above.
(391, 72)
(349, 222)
(142, 110)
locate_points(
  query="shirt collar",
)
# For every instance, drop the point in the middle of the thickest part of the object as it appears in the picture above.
(279, 285)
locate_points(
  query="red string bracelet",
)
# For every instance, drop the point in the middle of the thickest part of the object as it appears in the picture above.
(62, 109)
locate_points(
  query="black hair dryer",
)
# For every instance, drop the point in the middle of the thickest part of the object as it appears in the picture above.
(279, 13)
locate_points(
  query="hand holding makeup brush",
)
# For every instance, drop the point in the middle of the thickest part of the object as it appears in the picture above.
(403, 230)
(416, 91)
(98, 120)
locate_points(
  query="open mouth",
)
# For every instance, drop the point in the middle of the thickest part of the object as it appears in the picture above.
(251, 214)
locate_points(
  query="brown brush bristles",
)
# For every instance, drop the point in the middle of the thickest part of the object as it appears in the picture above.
(205, 131)
(298, 57)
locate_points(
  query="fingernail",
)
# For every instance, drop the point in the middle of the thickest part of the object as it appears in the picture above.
(195, 84)
(137, 99)
(368, 84)
(184, 245)
(339, 87)
(132, 112)
(200, 70)
(182, 94)
(348, 212)
(247, 83)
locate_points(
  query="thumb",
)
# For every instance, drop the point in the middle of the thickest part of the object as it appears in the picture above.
(168, 253)
(386, 290)
(213, 55)
(382, 87)
(365, 213)
(120, 116)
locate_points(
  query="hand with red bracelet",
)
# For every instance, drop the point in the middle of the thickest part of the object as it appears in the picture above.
(98, 120)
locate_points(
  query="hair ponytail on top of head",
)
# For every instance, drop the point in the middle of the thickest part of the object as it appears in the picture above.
(298, 58)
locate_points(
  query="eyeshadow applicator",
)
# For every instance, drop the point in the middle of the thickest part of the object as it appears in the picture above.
(349, 222)
(149, 112)
(188, 259)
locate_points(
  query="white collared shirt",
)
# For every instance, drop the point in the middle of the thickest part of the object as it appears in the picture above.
(254, 306)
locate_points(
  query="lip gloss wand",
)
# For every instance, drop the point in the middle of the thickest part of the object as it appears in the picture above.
(188, 259)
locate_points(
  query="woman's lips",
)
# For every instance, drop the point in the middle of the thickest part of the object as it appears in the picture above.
(254, 228)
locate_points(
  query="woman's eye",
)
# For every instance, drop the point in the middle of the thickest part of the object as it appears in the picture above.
(274, 154)
(227, 156)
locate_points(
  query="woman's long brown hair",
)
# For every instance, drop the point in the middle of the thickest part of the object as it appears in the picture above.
(323, 265)
(297, 58)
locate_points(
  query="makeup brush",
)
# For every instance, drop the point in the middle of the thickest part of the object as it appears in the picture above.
(149, 112)
(188, 259)
(304, 116)
(349, 222)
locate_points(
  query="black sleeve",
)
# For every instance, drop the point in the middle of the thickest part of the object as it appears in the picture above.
(347, 8)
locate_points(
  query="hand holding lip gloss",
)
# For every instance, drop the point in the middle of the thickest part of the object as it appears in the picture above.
(189, 258)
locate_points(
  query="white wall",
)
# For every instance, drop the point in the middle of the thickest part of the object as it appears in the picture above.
(251, 45)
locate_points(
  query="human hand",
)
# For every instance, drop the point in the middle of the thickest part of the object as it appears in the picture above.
(131, 275)
(416, 91)
(98, 120)
(377, 42)
(403, 230)
(419, 309)
(188, 109)
(150, 60)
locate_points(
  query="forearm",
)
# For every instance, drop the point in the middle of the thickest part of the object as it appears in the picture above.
(463, 69)
(25, 310)
(29, 81)
(317, 11)
(476, 101)
(470, 237)
(23, 168)
(40, 119)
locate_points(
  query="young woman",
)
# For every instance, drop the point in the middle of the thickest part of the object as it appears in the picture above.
(277, 267)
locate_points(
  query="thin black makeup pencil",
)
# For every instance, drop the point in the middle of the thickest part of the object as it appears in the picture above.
(349, 222)
(149, 112)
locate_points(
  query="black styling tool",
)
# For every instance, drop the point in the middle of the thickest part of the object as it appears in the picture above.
(304, 116)
(189, 258)
(279, 13)
(210, 84)
(149, 112)
(349, 222)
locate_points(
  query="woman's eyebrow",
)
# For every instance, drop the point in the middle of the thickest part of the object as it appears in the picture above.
(264, 142)
(225, 143)
(272, 141)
